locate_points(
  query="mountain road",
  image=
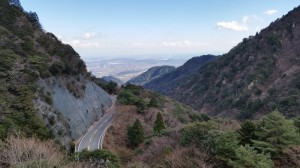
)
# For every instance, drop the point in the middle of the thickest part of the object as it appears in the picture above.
(93, 139)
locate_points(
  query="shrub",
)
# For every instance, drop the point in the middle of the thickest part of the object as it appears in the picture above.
(247, 132)
(97, 156)
(196, 117)
(48, 98)
(225, 145)
(138, 165)
(195, 133)
(179, 113)
(153, 102)
(129, 98)
(51, 120)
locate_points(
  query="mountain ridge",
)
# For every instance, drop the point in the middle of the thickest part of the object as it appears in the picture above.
(165, 83)
(151, 74)
(258, 75)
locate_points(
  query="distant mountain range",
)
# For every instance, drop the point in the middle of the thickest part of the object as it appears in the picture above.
(260, 74)
(166, 83)
(128, 68)
(151, 74)
(112, 79)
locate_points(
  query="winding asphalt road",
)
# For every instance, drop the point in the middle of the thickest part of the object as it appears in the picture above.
(93, 139)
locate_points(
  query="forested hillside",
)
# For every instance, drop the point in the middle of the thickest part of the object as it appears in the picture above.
(257, 76)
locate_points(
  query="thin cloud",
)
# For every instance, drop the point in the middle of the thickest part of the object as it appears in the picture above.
(183, 44)
(89, 35)
(244, 25)
(234, 25)
(270, 12)
(83, 44)
(138, 44)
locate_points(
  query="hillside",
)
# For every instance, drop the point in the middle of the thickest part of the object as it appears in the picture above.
(151, 74)
(44, 85)
(152, 130)
(137, 103)
(258, 75)
(166, 83)
(48, 100)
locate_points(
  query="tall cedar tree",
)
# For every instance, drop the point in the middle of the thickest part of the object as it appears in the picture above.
(159, 123)
(135, 134)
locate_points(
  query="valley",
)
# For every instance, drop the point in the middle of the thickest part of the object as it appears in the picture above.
(239, 109)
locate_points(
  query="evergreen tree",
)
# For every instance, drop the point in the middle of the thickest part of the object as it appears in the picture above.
(275, 133)
(224, 146)
(247, 157)
(135, 134)
(153, 102)
(247, 132)
(159, 123)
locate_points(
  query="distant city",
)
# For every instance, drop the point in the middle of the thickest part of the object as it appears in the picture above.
(127, 68)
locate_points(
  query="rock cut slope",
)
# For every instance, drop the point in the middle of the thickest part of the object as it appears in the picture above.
(45, 89)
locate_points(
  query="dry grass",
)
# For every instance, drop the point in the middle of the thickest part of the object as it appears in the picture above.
(154, 154)
(189, 158)
(17, 151)
(291, 156)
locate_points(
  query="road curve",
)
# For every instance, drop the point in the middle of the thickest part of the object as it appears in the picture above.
(93, 139)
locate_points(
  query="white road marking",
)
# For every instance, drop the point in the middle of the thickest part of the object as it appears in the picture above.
(95, 126)
(102, 136)
(95, 132)
(80, 142)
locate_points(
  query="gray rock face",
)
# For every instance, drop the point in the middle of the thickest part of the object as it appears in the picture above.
(75, 114)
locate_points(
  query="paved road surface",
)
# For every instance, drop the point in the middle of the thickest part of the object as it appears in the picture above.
(93, 139)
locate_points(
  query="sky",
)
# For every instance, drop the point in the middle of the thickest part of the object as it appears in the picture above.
(155, 28)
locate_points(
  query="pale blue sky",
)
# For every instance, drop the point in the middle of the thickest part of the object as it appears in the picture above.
(122, 28)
